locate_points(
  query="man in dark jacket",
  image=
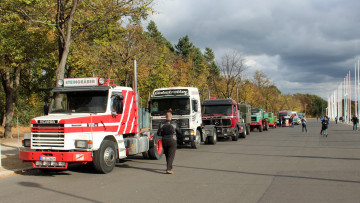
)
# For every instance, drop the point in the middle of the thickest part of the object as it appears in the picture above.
(168, 130)
(355, 121)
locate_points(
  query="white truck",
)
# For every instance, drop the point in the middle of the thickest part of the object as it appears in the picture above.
(184, 103)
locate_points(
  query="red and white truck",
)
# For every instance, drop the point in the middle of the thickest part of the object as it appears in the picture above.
(225, 115)
(89, 120)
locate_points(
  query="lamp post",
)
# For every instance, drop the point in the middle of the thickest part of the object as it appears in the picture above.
(305, 110)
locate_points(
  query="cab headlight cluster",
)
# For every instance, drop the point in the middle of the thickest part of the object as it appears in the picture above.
(26, 142)
(85, 144)
(186, 132)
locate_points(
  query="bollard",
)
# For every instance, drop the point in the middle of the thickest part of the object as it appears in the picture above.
(17, 123)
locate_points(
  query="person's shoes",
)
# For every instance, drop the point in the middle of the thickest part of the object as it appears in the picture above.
(170, 172)
(326, 135)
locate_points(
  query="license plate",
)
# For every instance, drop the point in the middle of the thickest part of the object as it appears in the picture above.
(186, 138)
(47, 158)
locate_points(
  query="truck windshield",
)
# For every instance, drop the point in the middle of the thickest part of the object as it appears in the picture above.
(219, 109)
(178, 106)
(255, 112)
(79, 102)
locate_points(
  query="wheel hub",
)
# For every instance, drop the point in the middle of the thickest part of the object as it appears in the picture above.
(109, 156)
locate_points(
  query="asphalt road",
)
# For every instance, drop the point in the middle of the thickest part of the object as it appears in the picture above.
(281, 165)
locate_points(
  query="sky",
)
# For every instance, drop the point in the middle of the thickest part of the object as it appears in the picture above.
(304, 46)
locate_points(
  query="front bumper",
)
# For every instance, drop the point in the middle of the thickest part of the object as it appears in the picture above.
(225, 131)
(185, 139)
(54, 160)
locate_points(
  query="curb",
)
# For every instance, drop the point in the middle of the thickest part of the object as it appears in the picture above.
(14, 172)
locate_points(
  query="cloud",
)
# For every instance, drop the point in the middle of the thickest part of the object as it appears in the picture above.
(306, 46)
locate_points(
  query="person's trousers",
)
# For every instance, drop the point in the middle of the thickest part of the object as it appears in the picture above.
(355, 126)
(304, 126)
(169, 145)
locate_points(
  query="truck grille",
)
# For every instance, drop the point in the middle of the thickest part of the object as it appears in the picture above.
(47, 135)
(182, 123)
(217, 122)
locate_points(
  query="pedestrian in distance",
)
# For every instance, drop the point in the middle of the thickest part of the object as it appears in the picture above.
(280, 122)
(355, 121)
(291, 122)
(169, 130)
(303, 123)
(324, 126)
(336, 119)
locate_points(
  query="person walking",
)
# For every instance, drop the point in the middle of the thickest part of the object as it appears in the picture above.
(280, 122)
(303, 123)
(168, 130)
(355, 121)
(324, 128)
(291, 122)
(336, 119)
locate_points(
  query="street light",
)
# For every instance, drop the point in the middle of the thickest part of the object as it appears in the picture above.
(305, 110)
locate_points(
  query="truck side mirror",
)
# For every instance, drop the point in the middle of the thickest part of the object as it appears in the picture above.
(149, 107)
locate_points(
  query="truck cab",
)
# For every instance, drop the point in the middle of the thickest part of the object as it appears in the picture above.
(184, 104)
(225, 115)
(245, 110)
(271, 119)
(257, 120)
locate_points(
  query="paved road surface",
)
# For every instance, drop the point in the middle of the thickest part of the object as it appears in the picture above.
(282, 165)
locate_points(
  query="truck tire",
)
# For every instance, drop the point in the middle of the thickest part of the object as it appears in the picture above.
(196, 143)
(247, 130)
(236, 136)
(105, 157)
(243, 134)
(212, 139)
(156, 152)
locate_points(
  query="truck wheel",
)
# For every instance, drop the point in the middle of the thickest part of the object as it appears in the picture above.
(196, 143)
(236, 136)
(247, 130)
(243, 134)
(157, 150)
(212, 139)
(105, 157)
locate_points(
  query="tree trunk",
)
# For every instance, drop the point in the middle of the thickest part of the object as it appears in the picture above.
(11, 86)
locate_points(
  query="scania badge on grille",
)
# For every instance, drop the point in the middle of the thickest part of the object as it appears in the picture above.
(47, 121)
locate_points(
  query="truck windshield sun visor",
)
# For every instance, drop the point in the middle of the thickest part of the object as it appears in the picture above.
(80, 89)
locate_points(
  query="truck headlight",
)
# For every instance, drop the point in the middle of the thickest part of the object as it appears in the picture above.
(186, 132)
(26, 142)
(82, 144)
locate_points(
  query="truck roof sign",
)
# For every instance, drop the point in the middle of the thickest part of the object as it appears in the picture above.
(175, 92)
(73, 82)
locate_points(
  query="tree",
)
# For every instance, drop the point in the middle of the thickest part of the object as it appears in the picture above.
(184, 48)
(20, 54)
(231, 68)
(158, 37)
